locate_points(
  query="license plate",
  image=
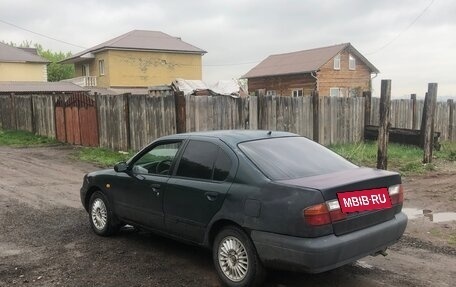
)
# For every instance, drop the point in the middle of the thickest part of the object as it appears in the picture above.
(363, 200)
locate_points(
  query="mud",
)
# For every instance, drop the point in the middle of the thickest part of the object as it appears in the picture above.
(45, 238)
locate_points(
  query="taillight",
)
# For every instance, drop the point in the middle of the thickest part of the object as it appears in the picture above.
(317, 215)
(396, 193)
(324, 213)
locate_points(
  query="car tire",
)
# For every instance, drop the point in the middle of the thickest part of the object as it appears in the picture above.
(101, 216)
(235, 258)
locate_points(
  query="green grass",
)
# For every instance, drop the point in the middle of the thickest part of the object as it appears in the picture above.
(23, 139)
(101, 156)
(402, 158)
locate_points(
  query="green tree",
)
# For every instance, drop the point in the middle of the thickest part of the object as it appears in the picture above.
(55, 71)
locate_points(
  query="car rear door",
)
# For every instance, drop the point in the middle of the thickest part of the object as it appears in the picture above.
(198, 187)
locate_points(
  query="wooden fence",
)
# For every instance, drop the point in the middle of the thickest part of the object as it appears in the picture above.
(129, 122)
(29, 113)
(408, 113)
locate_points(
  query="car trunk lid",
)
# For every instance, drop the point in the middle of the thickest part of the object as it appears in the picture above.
(348, 181)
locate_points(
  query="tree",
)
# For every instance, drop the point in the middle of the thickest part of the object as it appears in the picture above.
(55, 71)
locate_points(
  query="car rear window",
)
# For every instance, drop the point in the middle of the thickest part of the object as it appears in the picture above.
(293, 157)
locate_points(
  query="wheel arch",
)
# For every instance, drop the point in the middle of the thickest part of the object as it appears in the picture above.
(216, 227)
(88, 195)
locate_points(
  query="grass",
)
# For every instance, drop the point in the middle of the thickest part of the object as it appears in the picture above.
(23, 139)
(101, 156)
(405, 159)
(402, 158)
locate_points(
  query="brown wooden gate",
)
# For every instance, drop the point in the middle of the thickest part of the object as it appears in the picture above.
(76, 120)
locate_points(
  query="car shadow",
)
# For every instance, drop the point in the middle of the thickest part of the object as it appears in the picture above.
(197, 260)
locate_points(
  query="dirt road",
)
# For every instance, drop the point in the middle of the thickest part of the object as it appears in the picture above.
(45, 239)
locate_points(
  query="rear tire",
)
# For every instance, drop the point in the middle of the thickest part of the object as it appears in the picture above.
(101, 216)
(235, 258)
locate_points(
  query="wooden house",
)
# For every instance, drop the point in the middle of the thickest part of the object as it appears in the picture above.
(338, 70)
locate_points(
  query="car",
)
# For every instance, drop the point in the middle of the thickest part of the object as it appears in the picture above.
(257, 199)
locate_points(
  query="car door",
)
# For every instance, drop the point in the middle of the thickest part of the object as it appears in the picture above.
(138, 193)
(198, 187)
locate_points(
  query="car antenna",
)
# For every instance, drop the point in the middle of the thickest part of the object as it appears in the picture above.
(269, 133)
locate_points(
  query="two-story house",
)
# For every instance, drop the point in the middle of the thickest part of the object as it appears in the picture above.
(137, 59)
(338, 70)
(21, 64)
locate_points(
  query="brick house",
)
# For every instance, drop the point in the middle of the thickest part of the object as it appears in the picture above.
(137, 59)
(338, 70)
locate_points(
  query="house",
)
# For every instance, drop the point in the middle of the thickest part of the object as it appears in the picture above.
(338, 70)
(21, 64)
(137, 59)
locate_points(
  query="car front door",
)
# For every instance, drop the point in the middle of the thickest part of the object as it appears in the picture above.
(197, 189)
(138, 193)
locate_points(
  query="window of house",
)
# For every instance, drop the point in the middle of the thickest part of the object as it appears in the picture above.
(337, 62)
(271, 93)
(334, 92)
(351, 62)
(101, 67)
(297, 93)
(85, 69)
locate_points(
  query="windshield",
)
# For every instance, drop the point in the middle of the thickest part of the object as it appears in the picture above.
(293, 157)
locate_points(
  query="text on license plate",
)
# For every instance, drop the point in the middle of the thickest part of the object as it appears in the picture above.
(363, 200)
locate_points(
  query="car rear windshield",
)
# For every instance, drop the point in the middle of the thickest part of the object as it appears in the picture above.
(293, 157)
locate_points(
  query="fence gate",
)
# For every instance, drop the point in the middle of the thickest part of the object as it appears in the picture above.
(76, 120)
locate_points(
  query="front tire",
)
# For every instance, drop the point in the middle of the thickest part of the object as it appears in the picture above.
(101, 216)
(235, 258)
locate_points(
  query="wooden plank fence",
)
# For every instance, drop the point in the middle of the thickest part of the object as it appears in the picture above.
(403, 116)
(129, 122)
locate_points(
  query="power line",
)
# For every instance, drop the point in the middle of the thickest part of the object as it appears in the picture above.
(231, 64)
(39, 34)
(404, 30)
(78, 46)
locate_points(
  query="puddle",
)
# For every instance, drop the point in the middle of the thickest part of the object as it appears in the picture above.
(414, 213)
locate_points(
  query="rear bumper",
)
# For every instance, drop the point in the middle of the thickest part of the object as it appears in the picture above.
(315, 255)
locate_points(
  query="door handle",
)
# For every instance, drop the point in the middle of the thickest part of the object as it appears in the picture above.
(211, 195)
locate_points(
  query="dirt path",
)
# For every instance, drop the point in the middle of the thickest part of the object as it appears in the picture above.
(45, 239)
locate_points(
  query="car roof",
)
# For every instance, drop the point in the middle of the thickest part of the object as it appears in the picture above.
(234, 137)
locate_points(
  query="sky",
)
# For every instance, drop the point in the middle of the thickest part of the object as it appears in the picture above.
(411, 42)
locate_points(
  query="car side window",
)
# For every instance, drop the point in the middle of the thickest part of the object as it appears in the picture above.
(198, 160)
(158, 160)
(222, 166)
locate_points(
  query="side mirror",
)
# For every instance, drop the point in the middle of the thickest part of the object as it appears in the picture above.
(121, 167)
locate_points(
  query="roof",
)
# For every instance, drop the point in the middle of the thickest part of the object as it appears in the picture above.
(305, 61)
(140, 40)
(38, 87)
(234, 137)
(15, 55)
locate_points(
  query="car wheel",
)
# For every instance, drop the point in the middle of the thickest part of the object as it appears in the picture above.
(235, 258)
(101, 216)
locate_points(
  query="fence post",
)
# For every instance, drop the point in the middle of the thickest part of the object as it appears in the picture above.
(367, 95)
(181, 113)
(384, 124)
(450, 120)
(316, 116)
(127, 118)
(427, 125)
(414, 112)
(13, 124)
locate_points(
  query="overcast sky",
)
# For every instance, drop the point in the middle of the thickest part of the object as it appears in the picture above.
(410, 49)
